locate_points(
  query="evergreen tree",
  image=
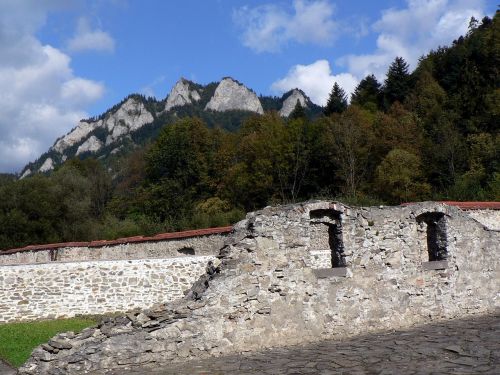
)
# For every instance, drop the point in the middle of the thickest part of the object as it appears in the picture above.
(398, 83)
(298, 111)
(367, 93)
(337, 101)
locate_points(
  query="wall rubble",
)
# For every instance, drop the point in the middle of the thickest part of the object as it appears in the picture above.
(266, 292)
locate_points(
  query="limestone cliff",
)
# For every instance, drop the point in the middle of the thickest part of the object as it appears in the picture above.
(129, 116)
(182, 94)
(232, 95)
(92, 144)
(83, 128)
(291, 101)
(116, 128)
(47, 165)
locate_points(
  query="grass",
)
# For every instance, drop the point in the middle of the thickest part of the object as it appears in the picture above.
(17, 340)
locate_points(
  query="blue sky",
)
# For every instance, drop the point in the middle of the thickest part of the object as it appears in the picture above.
(63, 60)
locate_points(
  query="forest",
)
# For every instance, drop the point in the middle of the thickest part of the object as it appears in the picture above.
(429, 134)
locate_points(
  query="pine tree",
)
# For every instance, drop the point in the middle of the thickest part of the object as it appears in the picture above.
(337, 101)
(368, 91)
(298, 111)
(398, 83)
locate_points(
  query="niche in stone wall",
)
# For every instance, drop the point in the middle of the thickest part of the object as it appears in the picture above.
(326, 242)
(436, 238)
(186, 251)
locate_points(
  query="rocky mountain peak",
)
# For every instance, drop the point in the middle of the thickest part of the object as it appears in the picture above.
(129, 116)
(291, 101)
(182, 94)
(232, 95)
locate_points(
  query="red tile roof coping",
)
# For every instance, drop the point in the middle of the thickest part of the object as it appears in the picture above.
(119, 241)
(468, 205)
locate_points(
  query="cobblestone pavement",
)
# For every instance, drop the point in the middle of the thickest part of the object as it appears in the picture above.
(470, 346)
(6, 369)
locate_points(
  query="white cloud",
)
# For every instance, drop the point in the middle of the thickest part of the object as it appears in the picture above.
(316, 80)
(412, 32)
(267, 28)
(41, 98)
(87, 39)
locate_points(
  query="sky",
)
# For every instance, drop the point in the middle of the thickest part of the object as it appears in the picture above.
(65, 60)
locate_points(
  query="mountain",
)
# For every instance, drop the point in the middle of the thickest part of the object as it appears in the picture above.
(137, 119)
(290, 100)
(231, 95)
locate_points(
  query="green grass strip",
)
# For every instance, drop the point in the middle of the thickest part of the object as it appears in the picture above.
(17, 340)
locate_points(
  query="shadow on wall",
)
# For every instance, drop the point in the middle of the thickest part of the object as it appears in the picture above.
(436, 235)
(186, 251)
(332, 219)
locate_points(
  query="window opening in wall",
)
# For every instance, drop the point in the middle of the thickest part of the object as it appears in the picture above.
(186, 251)
(332, 220)
(436, 235)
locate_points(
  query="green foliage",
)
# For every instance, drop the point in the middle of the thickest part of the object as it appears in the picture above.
(399, 177)
(397, 85)
(429, 134)
(337, 101)
(368, 93)
(17, 340)
(352, 141)
(298, 112)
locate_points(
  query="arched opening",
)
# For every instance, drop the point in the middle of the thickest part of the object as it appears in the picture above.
(437, 241)
(329, 234)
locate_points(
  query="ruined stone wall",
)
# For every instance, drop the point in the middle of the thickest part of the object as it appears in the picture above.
(489, 218)
(270, 290)
(197, 245)
(54, 290)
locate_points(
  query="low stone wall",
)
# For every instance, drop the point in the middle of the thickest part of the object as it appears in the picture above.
(197, 242)
(270, 291)
(489, 218)
(54, 290)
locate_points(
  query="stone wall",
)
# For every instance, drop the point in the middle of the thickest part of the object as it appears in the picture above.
(489, 218)
(271, 290)
(54, 290)
(141, 248)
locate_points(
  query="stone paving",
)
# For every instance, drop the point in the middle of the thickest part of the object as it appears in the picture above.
(6, 369)
(469, 346)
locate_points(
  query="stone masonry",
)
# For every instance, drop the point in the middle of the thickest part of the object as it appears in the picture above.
(167, 245)
(48, 291)
(281, 282)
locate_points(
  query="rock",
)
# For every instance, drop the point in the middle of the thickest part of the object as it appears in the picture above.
(26, 173)
(59, 344)
(49, 348)
(93, 144)
(454, 349)
(291, 101)
(47, 165)
(232, 95)
(264, 310)
(182, 94)
(86, 333)
(130, 116)
(151, 323)
(142, 318)
(83, 128)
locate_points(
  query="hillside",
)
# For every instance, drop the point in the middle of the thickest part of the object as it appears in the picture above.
(148, 166)
(136, 120)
